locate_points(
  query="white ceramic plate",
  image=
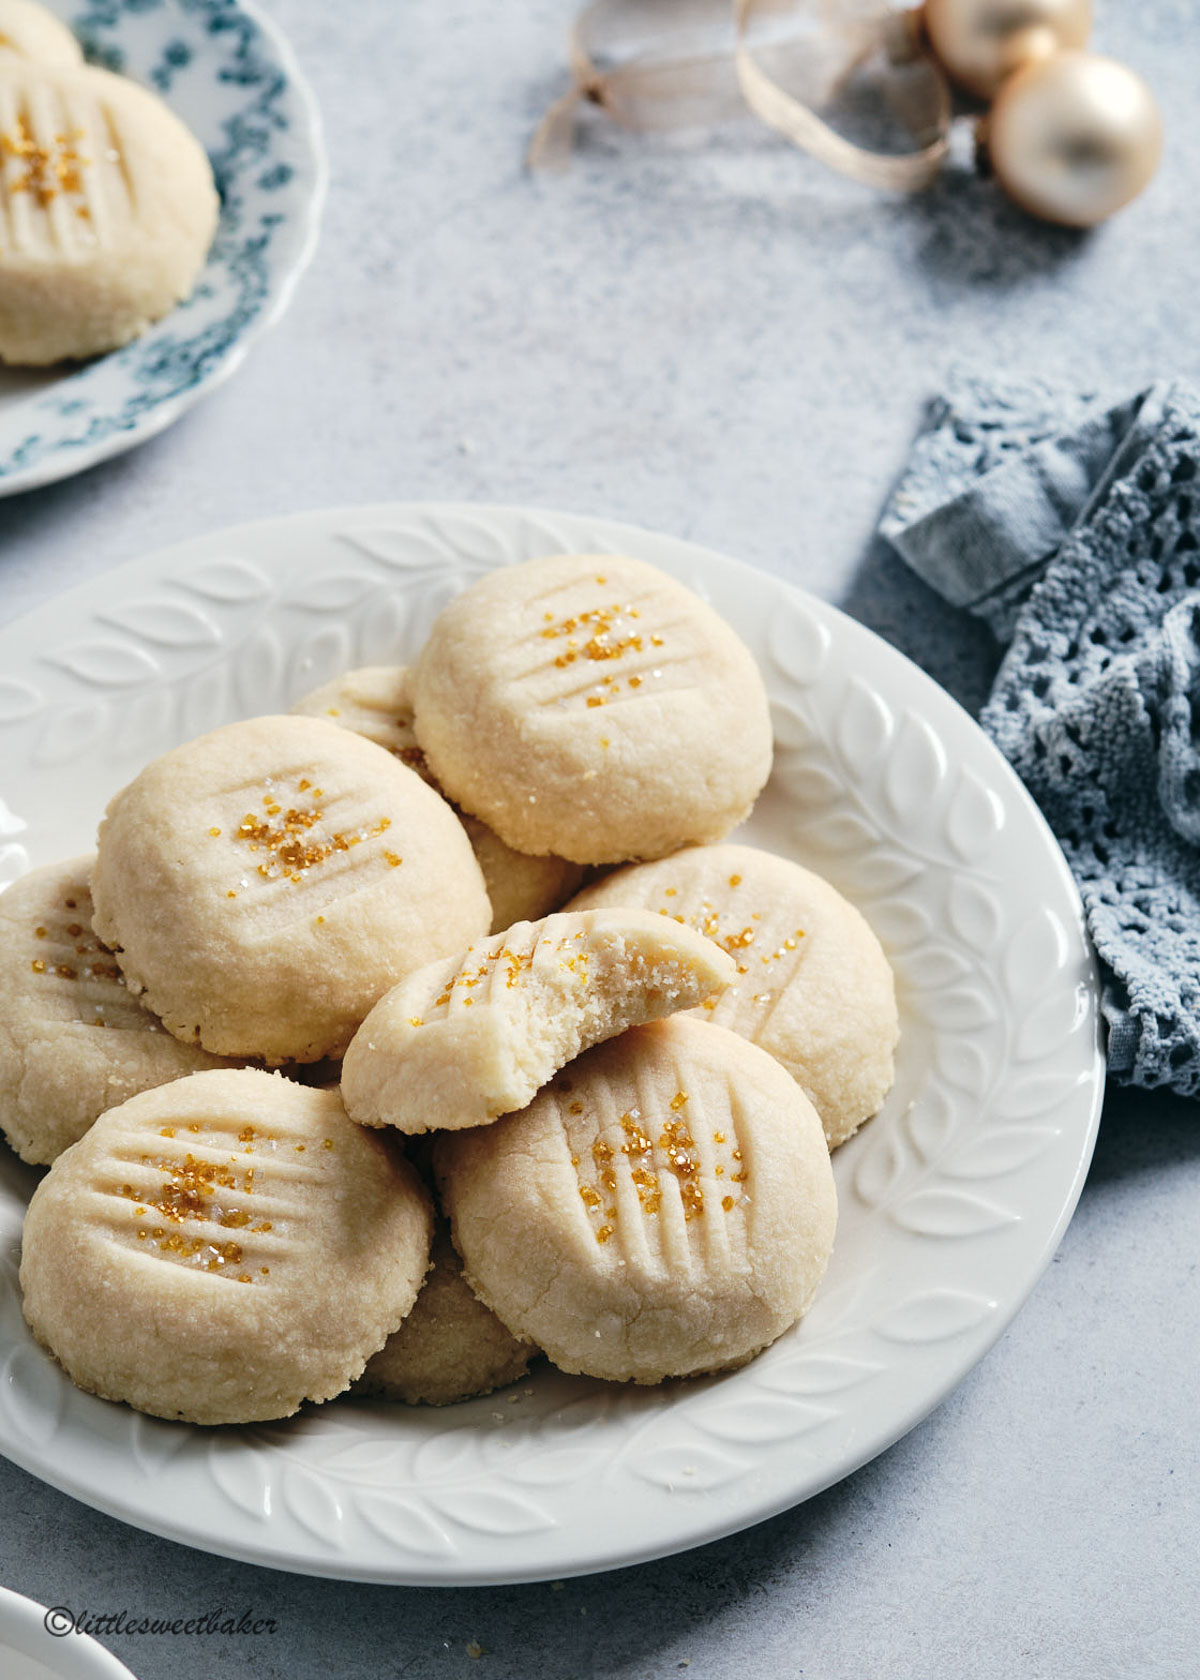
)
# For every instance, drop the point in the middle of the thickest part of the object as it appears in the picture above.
(41, 1644)
(228, 72)
(952, 1200)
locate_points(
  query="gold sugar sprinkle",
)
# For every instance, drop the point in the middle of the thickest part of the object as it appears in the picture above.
(637, 1143)
(604, 640)
(678, 1142)
(289, 852)
(48, 170)
(602, 1157)
(183, 1196)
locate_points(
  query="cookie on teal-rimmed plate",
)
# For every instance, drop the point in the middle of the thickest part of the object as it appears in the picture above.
(230, 75)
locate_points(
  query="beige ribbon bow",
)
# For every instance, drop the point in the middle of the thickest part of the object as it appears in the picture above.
(675, 64)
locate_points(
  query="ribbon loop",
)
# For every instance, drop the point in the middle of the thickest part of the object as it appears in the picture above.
(707, 64)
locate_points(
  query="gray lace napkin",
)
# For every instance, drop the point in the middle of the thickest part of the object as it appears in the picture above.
(1073, 527)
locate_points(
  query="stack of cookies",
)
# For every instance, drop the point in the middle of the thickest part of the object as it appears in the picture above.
(436, 1026)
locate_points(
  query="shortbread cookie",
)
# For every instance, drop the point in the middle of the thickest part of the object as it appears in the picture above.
(450, 1347)
(223, 1248)
(813, 985)
(107, 209)
(476, 1036)
(376, 701)
(73, 1042)
(31, 32)
(592, 707)
(664, 1207)
(266, 884)
(520, 888)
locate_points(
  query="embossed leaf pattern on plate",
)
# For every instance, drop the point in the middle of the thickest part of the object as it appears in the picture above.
(155, 1443)
(245, 1476)
(820, 1373)
(935, 1315)
(168, 623)
(690, 1468)
(405, 1525)
(18, 700)
(314, 1503)
(32, 1394)
(760, 1419)
(494, 1511)
(228, 580)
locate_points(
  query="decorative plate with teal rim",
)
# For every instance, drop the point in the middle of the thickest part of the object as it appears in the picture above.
(231, 76)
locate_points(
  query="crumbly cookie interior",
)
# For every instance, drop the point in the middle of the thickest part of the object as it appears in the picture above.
(462, 1042)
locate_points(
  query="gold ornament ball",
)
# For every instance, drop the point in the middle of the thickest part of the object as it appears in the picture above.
(981, 42)
(1074, 137)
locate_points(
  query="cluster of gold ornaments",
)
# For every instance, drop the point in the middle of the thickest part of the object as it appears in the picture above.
(1071, 136)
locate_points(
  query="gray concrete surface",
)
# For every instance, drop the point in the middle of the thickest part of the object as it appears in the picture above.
(709, 336)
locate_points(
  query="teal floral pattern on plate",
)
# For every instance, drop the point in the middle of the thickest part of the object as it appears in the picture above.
(230, 75)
